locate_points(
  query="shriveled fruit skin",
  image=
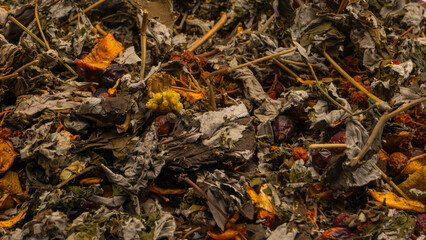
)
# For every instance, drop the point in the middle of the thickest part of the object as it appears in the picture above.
(165, 124)
(397, 161)
(341, 220)
(339, 137)
(413, 152)
(338, 233)
(284, 128)
(321, 158)
(421, 223)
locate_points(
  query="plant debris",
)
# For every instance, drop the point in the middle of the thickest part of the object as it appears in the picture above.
(134, 119)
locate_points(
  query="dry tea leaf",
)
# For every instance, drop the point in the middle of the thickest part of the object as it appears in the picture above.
(74, 168)
(390, 199)
(414, 164)
(7, 155)
(102, 54)
(10, 183)
(9, 223)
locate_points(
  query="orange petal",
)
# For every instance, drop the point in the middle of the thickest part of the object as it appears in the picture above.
(393, 201)
(10, 183)
(414, 164)
(7, 155)
(253, 194)
(9, 223)
(163, 191)
(102, 54)
(228, 234)
(90, 180)
(264, 202)
(191, 96)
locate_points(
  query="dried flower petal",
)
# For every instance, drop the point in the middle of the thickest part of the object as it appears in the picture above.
(10, 183)
(390, 199)
(9, 223)
(228, 234)
(7, 155)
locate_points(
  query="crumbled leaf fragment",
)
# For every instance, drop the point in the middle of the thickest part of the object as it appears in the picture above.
(102, 54)
(390, 199)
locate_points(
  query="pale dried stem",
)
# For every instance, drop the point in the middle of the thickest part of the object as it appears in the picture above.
(143, 43)
(393, 185)
(17, 71)
(327, 145)
(350, 79)
(378, 129)
(84, 11)
(263, 28)
(210, 33)
(39, 27)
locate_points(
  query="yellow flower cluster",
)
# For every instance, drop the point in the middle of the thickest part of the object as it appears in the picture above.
(166, 101)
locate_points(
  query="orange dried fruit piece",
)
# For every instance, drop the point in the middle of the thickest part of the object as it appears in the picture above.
(102, 54)
(10, 183)
(9, 223)
(227, 235)
(414, 164)
(390, 199)
(90, 181)
(7, 155)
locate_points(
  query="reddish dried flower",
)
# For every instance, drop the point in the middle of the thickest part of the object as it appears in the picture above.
(204, 74)
(300, 153)
(397, 161)
(338, 233)
(5, 132)
(202, 61)
(188, 57)
(405, 119)
(175, 56)
(358, 97)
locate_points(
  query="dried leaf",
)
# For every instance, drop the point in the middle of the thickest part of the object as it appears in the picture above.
(228, 234)
(102, 54)
(9, 223)
(414, 164)
(10, 183)
(7, 155)
(264, 202)
(390, 199)
(158, 83)
(253, 195)
(74, 168)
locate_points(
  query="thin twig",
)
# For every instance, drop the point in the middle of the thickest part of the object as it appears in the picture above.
(284, 67)
(327, 145)
(84, 11)
(187, 180)
(301, 64)
(390, 182)
(17, 71)
(342, 6)
(74, 176)
(39, 26)
(350, 79)
(211, 94)
(143, 43)
(378, 129)
(402, 35)
(326, 94)
(263, 28)
(227, 70)
(208, 54)
(189, 232)
(100, 30)
(210, 33)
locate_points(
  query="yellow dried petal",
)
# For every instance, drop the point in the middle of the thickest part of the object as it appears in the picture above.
(414, 164)
(9, 223)
(416, 180)
(393, 201)
(74, 168)
(7, 155)
(10, 183)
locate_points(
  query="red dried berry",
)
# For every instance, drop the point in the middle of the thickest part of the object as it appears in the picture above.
(175, 56)
(165, 124)
(321, 158)
(413, 152)
(341, 220)
(397, 161)
(284, 128)
(338, 233)
(339, 137)
(421, 223)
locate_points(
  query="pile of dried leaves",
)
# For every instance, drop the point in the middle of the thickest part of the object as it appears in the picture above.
(224, 119)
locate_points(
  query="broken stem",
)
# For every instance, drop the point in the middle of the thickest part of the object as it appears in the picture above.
(263, 28)
(343, 4)
(74, 176)
(210, 33)
(227, 70)
(393, 185)
(301, 64)
(17, 71)
(402, 35)
(100, 30)
(350, 79)
(39, 27)
(327, 145)
(284, 67)
(190, 232)
(211, 94)
(326, 94)
(188, 181)
(378, 129)
(143, 43)
(84, 11)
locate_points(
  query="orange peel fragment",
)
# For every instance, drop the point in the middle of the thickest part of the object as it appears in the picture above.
(390, 199)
